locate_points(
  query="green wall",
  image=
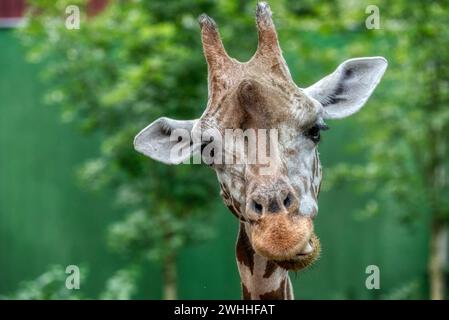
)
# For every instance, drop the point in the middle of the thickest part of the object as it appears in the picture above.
(46, 218)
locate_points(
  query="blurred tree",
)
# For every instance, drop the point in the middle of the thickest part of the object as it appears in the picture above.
(121, 70)
(121, 285)
(406, 138)
(48, 286)
(52, 285)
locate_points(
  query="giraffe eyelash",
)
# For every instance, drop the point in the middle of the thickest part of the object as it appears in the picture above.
(322, 126)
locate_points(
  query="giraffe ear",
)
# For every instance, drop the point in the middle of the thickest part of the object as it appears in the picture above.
(346, 90)
(166, 140)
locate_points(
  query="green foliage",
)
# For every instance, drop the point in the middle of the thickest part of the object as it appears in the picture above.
(408, 291)
(115, 75)
(51, 285)
(130, 236)
(48, 286)
(406, 133)
(122, 285)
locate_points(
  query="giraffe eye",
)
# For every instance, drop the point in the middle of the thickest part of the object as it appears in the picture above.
(314, 133)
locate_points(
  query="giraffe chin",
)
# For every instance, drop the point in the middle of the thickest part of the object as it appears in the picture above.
(302, 261)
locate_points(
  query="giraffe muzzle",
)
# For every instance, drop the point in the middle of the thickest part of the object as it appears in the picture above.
(283, 237)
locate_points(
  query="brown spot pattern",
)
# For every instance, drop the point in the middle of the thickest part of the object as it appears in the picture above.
(244, 249)
(269, 269)
(278, 294)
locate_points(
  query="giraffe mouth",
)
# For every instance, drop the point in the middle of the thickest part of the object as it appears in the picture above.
(306, 257)
(308, 249)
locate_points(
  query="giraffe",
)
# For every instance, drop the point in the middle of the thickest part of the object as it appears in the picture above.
(275, 207)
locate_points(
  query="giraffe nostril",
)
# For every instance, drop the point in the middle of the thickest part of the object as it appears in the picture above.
(288, 200)
(257, 207)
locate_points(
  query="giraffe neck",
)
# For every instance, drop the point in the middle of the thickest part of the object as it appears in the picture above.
(260, 277)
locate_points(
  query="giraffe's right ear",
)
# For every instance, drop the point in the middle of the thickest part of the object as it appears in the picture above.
(346, 90)
(166, 140)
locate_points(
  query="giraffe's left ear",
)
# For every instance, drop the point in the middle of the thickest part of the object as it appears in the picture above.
(346, 90)
(166, 140)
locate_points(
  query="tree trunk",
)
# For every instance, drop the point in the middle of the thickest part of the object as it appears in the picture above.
(438, 260)
(170, 290)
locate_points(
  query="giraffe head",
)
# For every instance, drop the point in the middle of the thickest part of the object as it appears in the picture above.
(260, 133)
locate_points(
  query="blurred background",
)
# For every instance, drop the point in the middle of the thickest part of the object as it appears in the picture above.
(74, 192)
